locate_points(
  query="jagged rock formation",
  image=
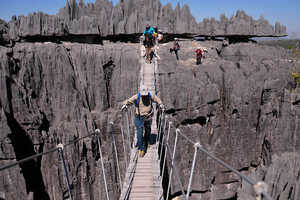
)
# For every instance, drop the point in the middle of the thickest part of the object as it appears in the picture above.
(283, 173)
(52, 93)
(129, 17)
(252, 103)
(240, 24)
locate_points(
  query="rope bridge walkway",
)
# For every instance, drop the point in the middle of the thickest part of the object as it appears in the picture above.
(144, 177)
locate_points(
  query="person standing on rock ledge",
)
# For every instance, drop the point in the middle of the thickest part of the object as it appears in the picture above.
(143, 115)
(175, 48)
(199, 54)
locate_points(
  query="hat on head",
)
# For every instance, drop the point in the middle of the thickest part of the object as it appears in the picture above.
(143, 90)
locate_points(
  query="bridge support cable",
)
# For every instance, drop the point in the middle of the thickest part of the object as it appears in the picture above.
(162, 136)
(259, 187)
(124, 146)
(196, 146)
(60, 148)
(61, 152)
(102, 163)
(164, 162)
(172, 159)
(27, 159)
(116, 154)
(161, 116)
(128, 130)
(173, 165)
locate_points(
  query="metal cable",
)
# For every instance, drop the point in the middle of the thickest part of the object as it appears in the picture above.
(131, 176)
(188, 139)
(175, 169)
(124, 147)
(102, 164)
(116, 154)
(248, 180)
(40, 154)
(28, 159)
(61, 152)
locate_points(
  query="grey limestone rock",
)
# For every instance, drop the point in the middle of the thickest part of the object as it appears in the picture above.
(130, 16)
(54, 93)
(240, 105)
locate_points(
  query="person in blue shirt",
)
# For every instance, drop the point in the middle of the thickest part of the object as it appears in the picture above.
(149, 30)
(149, 42)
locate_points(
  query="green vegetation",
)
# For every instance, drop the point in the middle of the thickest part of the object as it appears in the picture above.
(296, 76)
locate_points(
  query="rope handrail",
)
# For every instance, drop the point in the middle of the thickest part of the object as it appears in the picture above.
(259, 187)
(42, 153)
(60, 149)
(27, 159)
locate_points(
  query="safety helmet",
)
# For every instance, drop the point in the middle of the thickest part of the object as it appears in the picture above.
(143, 90)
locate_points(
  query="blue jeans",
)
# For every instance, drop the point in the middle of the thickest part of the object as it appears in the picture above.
(140, 123)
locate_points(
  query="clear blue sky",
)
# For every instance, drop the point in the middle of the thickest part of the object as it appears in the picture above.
(285, 11)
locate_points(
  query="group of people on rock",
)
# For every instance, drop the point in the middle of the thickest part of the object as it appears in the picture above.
(151, 36)
(144, 98)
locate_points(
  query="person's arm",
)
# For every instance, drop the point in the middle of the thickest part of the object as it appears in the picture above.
(131, 100)
(156, 99)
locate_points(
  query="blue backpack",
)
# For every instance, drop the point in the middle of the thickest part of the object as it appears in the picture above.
(139, 98)
(138, 102)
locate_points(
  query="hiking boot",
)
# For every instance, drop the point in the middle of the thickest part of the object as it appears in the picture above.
(142, 153)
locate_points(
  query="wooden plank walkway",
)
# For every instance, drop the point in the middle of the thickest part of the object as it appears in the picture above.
(145, 181)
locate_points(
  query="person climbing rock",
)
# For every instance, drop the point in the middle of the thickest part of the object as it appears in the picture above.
(143, 115)
(199, 54)
(175, 48)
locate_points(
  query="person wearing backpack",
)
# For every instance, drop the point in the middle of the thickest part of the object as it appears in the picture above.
(143, 115)
(199, 54)
(175, 48)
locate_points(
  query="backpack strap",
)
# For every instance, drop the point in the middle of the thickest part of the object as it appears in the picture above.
(149, 94)
(138, 99)
(138, 103)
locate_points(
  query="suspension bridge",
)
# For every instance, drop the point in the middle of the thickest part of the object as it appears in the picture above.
(145, 175)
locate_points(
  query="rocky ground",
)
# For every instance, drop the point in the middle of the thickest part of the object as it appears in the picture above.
(241, 104)
(54, 93)
(247, 94)
(61, 76)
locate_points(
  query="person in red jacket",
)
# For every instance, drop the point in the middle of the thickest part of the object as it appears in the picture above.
(199, 55)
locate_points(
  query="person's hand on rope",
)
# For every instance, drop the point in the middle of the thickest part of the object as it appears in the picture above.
(124, 107)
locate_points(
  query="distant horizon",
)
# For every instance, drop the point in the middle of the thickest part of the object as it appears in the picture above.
(286, 13)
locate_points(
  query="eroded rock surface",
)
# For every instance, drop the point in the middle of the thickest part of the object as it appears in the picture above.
(129, 17)
(55, 93)
(241, 104)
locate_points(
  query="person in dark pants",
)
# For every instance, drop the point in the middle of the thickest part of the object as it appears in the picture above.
(175, 48)
(199, 54)
(143, 118)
